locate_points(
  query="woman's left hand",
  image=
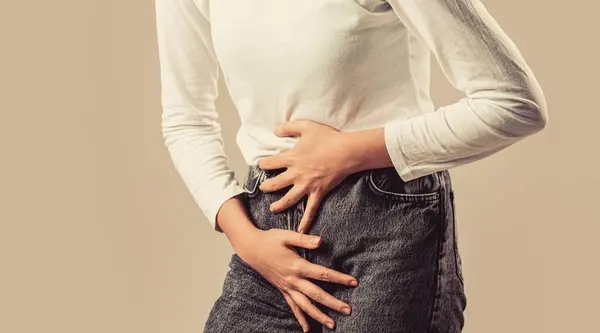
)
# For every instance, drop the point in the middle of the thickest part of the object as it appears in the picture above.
(318, 162)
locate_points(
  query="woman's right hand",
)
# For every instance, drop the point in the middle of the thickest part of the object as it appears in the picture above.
(270, 252)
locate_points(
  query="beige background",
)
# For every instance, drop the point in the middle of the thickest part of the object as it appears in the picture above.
(98, 233)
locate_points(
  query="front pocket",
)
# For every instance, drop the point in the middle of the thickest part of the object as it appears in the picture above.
(386, 182)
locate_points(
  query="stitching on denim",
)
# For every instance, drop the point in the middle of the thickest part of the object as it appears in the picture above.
(425, 197)
(440, 239)
(455, 241)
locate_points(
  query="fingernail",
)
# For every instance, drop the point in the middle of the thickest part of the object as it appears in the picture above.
(329, 324)
(354, 283)
(315, 240)
(346, 309)
(301, 230)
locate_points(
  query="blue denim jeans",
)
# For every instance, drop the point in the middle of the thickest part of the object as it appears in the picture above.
(398, 238)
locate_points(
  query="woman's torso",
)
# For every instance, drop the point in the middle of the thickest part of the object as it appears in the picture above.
(350, 64)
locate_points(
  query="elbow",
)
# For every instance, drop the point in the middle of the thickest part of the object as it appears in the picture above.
(537, 107)
(167, 136)
(525, 118)
(186, 127)
(518, 115)
(531, 107)
(535, 117)
(537, 111)
(514, 108)
(170, 131)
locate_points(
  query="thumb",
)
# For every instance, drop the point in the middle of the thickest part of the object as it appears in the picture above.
(290, 128)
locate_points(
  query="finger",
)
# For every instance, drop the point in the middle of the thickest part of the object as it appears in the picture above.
(291, 128)
(301, 240)
(276, 183)
(289, 199)
(319, 295)
(297, 311)
(322, 273)
(312, 205)
(307, 306)
(274, 161)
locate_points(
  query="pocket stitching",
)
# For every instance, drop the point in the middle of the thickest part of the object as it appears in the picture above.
(432, 196)
(457, 261)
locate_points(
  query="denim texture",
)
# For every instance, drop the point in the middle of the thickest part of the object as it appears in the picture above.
(398, 238)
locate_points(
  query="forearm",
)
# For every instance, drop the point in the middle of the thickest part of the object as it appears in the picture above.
(366, 150)
(189, 72)
(233, 220)
(503, 101)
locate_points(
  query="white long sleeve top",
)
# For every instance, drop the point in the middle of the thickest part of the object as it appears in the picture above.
(350, 64)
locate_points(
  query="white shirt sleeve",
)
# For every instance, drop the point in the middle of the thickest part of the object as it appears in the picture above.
(189, 73)
(503, 104)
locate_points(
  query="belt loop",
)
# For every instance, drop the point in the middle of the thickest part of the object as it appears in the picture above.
(262, 175)
(441, 176)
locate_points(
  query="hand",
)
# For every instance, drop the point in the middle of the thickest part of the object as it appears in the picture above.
(270, 252)
(318, 162)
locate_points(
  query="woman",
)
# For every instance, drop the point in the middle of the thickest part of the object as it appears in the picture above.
(346, 217)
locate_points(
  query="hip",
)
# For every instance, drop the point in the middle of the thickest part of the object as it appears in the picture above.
(372, 200)
(396, 237)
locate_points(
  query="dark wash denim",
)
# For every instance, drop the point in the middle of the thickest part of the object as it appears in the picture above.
(397, 238)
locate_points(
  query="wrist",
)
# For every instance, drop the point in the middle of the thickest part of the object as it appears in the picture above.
(243, 236)
(246, 243)
(366, 150)
(235, 223)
